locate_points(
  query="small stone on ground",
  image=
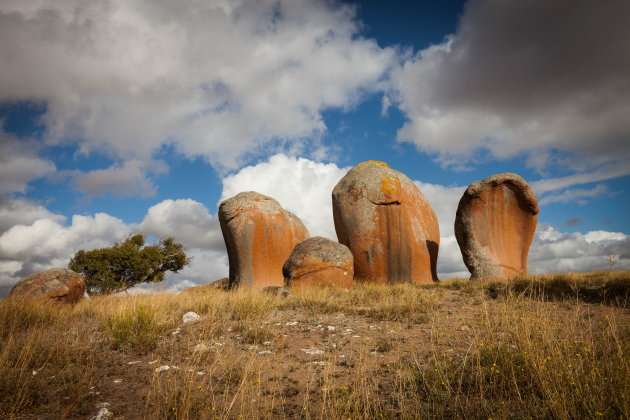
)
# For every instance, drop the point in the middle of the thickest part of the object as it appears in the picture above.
(190, 317)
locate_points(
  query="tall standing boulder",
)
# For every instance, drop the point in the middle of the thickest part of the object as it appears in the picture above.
(259, 235)
(494, 226)
(319, 262)
(58, 284)
(388, 225)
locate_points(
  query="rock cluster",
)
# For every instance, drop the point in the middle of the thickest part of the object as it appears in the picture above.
(259, 235)
(319, 262)
(387, 231)
(494, 226)
(388, 225)
(58, 284)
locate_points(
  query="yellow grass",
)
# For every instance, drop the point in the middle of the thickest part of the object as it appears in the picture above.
(536, 347)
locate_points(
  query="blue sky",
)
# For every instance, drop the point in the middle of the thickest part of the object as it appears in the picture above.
(120, 117)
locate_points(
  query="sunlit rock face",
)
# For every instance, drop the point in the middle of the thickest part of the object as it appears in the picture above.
(58, 284)
(494, 226)
(388, 224)
(259, 236)
(319, 262)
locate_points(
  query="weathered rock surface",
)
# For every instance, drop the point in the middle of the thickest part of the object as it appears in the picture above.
(389, 226)
(319, 262)
(494, 226)
(59, 284)
(259, 235)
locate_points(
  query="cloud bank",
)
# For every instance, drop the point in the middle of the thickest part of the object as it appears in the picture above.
(530, 77)
(45, 242)
(19, 163)
(188, 221)
(232, 81)
(217, 79)
(300, 185)
(553, 251)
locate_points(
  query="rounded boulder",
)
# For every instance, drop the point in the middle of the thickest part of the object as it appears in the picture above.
(58, 284)
(319, 262)
(388, 225)
(259, 236)
(495, 224)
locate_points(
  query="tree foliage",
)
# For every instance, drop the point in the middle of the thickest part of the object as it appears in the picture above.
(128, 263)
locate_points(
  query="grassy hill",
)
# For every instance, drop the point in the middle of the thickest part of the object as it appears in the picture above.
(537, 347)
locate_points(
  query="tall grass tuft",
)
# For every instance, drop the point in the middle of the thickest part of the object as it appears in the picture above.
(607, 287)
(134, 328)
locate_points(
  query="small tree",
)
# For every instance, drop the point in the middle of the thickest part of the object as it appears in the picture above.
(127, 263)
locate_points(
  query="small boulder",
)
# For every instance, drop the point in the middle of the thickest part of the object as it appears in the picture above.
(58, 284)
(190, 317)
(319, 261)
(259, 236)
(495, 224)
(389, 226)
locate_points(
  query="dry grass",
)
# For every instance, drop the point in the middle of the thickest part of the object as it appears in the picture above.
(536, 347)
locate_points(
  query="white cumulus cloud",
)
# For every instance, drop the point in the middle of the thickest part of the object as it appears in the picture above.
(187, 221)
(553, 251)
(45, 239)
(19, 163)
(300, 185)
(217, 79)
(46, 242)
(21, 211)
(444, 200)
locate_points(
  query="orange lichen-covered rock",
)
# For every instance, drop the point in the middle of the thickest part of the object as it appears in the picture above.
(319, 262)
(495, 223)
(58, 284)
(259, 235)
(388, 224)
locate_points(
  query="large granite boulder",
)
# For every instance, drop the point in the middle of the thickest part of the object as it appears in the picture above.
(259, 235)
(388, 224)
(495, 223)
(319, 262)
(58, 284)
